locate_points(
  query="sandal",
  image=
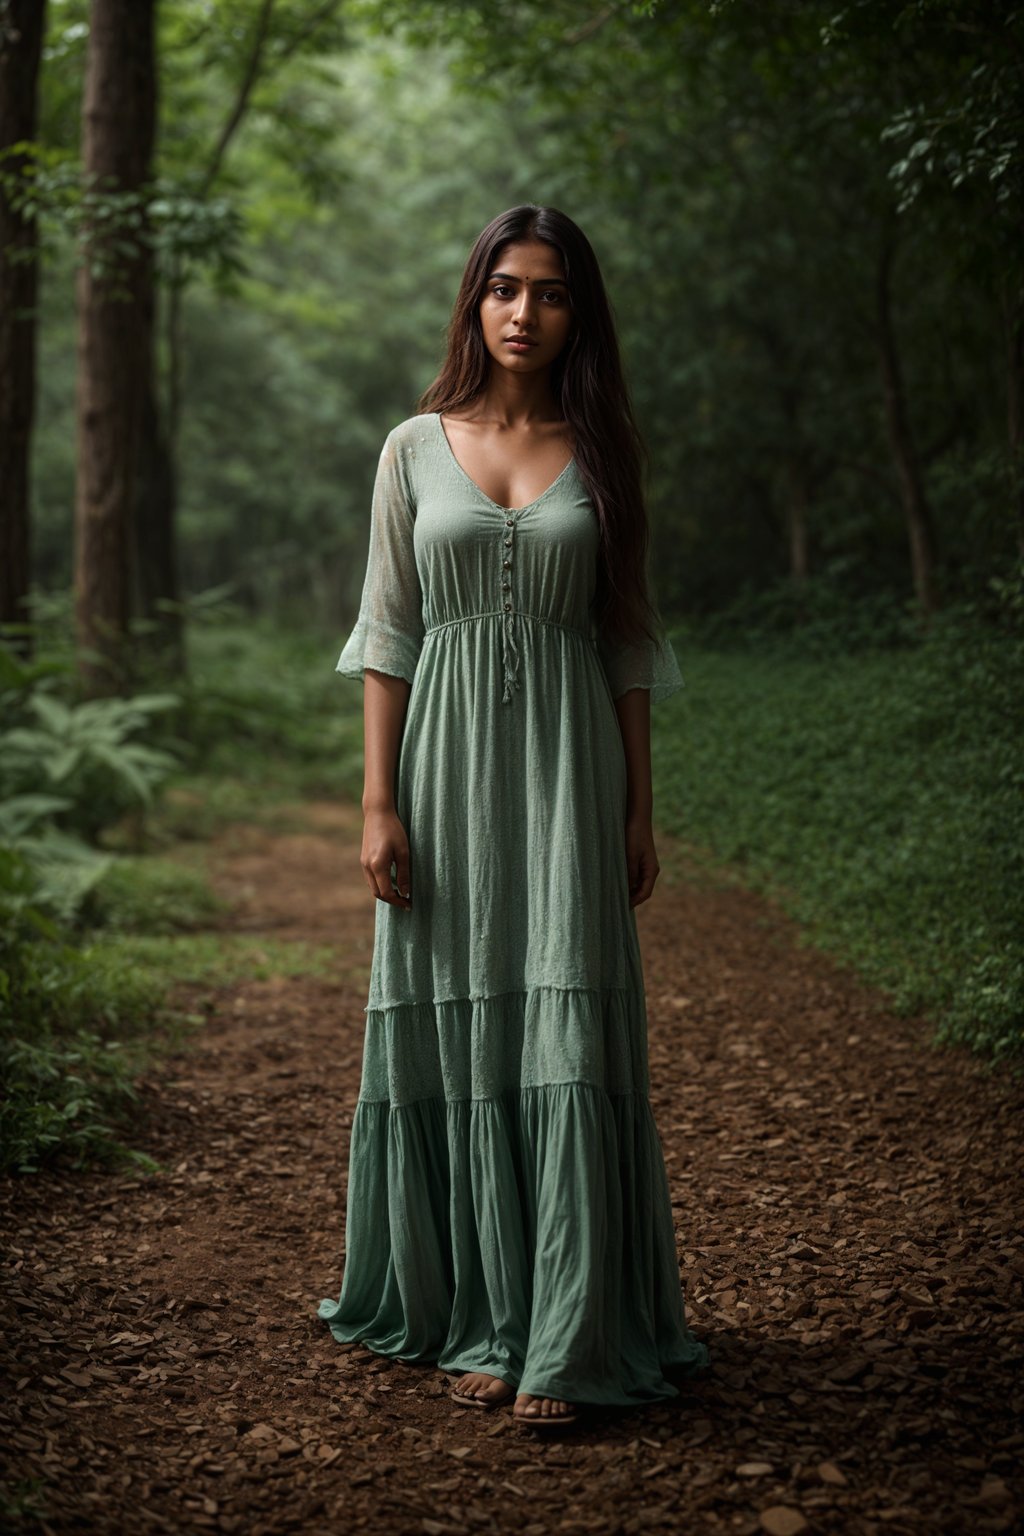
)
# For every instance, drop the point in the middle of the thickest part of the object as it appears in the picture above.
(545, 1421)
(482, 1402)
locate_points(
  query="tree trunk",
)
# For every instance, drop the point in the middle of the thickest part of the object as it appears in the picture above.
(118, 125)
(22, 24)
(797, 474)
(1013, 323)
(916, 511)
(157, 586)
(798, 498)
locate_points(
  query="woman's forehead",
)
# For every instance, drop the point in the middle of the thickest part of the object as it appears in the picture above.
(529, 261)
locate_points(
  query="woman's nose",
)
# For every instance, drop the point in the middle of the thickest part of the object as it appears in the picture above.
(524, 308)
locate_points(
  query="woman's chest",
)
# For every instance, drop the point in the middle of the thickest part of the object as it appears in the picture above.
(539, 558)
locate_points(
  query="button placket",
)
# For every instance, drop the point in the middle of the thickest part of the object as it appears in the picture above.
(509, 648)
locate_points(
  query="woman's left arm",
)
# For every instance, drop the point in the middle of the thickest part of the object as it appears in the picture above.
(634, 711)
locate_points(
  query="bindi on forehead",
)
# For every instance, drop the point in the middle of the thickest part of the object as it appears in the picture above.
(510, 277)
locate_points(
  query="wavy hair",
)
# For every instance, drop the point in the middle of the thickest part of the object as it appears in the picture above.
(590, 387)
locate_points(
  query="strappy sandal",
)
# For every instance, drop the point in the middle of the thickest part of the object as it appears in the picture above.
(482, 1402)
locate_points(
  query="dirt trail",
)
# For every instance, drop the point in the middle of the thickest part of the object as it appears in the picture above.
(848, 1209)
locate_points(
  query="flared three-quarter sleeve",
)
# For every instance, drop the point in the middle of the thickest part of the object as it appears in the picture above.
(649, 664)
(389, 628)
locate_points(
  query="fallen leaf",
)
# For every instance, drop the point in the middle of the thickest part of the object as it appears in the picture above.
(782, 1520)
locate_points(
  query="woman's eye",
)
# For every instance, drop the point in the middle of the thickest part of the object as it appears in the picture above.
(501, 290)
(554, 296)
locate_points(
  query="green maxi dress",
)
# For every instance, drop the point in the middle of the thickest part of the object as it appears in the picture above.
(508, 1206)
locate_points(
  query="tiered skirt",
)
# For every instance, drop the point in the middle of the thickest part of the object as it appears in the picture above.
(508, 1206)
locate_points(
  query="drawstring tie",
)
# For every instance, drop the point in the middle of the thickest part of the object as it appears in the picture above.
(510, 658)
(509, 649)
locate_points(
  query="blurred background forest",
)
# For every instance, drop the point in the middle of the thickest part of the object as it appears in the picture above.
(809, 216)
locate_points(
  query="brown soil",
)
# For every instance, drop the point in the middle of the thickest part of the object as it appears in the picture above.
(848, 1209)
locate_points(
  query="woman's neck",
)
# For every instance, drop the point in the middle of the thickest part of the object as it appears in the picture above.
(515, 400)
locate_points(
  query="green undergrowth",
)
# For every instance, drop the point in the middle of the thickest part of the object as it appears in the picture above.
(150, 894)
(269, 721)
(105, 907)
(214, 959)
(86, 1013)
(876, 794)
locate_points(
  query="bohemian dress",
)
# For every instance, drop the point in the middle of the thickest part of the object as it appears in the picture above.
(508, 1207)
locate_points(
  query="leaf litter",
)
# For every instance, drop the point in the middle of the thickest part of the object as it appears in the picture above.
(847, 1201)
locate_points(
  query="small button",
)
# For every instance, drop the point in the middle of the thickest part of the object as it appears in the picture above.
(508, 522)
(507, 607)
(506, 565)
(504, 586)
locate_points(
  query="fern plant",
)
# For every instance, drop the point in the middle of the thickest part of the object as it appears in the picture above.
(88, 754)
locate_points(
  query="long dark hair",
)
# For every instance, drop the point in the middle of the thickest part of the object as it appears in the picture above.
(588, 382)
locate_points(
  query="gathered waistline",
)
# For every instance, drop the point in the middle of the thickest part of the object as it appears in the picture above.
(496, 613)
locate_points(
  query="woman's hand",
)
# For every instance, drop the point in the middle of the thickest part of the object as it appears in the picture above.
(384, 843)
(641, 859)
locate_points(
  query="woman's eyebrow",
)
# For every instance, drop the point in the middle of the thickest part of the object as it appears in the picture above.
(545, 282)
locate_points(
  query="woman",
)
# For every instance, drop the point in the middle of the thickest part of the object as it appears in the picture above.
(508, 1210)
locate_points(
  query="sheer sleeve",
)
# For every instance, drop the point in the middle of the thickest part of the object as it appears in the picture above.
(388, 633)
(646, 665)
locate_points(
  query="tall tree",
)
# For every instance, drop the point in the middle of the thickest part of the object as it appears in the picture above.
(21, 35)
(254, 42)
(114, 329)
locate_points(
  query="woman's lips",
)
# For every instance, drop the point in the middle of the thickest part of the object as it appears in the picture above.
(519, 343)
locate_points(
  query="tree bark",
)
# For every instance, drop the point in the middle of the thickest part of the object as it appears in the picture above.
(118, 125)
(1013, 325)
(22, 23)
(916, 511)
(798, 500)
(797, 476)
(156, 510)
(157, 584)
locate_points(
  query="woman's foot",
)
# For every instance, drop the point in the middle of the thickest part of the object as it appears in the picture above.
(484, 1389)
(543, 1410)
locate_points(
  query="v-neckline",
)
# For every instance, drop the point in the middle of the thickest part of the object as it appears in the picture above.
(514, 511)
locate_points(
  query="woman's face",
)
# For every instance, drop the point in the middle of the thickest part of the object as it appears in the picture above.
(525, 314)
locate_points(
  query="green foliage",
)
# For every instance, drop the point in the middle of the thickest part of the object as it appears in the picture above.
(49, 870)
(91, 942)
(67, 770)
(187, 231)
(88, 755)
(265, 714)
(823, 616)
(150, 895)
(65, 1067)
(879, 796)
(213, 959)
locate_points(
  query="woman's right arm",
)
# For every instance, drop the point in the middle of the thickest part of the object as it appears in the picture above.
(385, 699)
(383, 650)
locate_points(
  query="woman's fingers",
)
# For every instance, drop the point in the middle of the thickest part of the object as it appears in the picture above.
(644, 890)
(642, 864)
(385, 883)
(381, 851)
(403, 874)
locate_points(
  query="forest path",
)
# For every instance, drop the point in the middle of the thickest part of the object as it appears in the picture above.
(848, 1217)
